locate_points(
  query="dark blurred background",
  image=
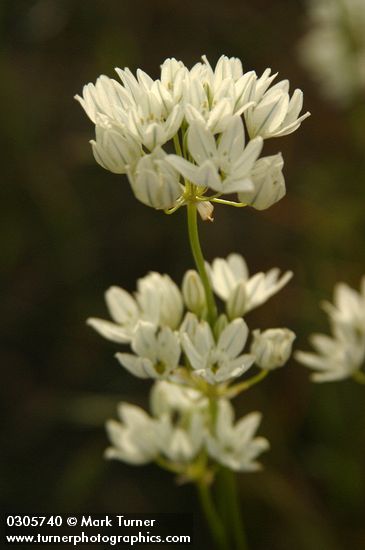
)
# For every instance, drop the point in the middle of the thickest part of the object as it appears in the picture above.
(70, 229)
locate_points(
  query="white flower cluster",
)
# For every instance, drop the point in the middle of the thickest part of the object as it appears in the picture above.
(172, 343)
(180, 432)
(334, 48)
(341, 355)
(217, 120)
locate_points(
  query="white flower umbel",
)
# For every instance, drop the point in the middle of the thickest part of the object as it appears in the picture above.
(235, 446)
(242, 293)
(272, 348)
(268, 183)
(157, 352)
(225, 166)
(157, 300)
(341, 355)
(218, 361)
(333, 50)
(200, 111)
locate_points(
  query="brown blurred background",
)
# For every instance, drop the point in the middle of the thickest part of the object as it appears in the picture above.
(70, 229)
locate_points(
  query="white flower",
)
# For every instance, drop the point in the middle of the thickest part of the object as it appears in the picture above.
(224, 166)
(182, 440)
(176, 430)
(217, 362)
(134, 439)
(341, 355)
(337, 357)
(333, 50)
(193, 292)
(157, 352)
(348, 307)
(213, 97)
(157, 300)
(268, 181)
(166, 396)
(107, 97)
(231, 282)
(173, 73)
(155, 182)
(235, 445)
(114, 148)
(275, 114)
(272, 347)
(182, 413)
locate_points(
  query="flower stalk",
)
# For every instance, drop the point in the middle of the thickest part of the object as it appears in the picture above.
(212, 517)
(200, 262)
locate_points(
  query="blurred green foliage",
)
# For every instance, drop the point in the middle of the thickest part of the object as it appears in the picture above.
(70, 229)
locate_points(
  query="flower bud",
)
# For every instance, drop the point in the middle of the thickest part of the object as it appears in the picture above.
(236, 303)
(269, 183)
(155, 182)
(220, 324)
(193, 292)
(272, 347)
(205, 209)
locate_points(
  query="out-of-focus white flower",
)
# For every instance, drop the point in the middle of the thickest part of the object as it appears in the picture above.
(157, 352)
(348, 307)
(335, 358)
(157, 300)
(167, 395)
(182, 413)
(333, 50)
(342, 354)
(155, 182)
(235, 445)
(224, 166)
(134, 439)
(275, 114)
(176, 430)
(272, 347)
(231, 282)
(221, 361)
(269, 184)
(193, 292)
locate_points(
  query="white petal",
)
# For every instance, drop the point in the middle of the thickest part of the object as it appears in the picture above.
(138, 366)
(110, 331)
(233, 338)
(201, 143)
(121, 305)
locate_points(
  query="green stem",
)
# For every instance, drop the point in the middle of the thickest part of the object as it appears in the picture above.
(231, 505)
(199, 262)
(212, 517)
(230, 203)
